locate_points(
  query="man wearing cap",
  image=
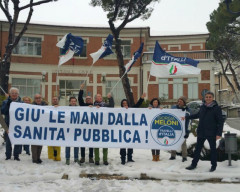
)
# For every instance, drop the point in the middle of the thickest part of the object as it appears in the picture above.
(181, 104)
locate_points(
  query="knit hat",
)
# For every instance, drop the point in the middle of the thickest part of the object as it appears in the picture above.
(184, 99)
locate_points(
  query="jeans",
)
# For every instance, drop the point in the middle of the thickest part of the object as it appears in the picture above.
(67, 152)
(16, 150)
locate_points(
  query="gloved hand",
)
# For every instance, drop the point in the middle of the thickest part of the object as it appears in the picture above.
(186, 136)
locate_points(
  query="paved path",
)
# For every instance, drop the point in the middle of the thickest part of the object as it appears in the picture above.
(234, 123)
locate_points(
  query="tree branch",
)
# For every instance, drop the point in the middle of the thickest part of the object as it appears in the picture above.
(6, 11)
(35, 4)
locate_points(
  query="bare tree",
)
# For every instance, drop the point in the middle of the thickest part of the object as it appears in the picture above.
(126, 11)
(13, 39)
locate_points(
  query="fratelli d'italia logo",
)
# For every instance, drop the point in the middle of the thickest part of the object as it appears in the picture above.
(166, 129)
(173, 69)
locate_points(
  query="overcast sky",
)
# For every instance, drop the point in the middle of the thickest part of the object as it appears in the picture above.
(168, 17)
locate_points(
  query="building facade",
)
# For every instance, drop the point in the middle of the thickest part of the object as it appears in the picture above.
(34, 64)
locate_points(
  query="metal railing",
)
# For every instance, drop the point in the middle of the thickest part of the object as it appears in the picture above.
(203, 55)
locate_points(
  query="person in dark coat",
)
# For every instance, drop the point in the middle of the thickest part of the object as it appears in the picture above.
(155, 103)
(210, 128)
(37, 149)
(181, 104)
(88, 102)
(100, 103)
(13, 97)
(123, 151)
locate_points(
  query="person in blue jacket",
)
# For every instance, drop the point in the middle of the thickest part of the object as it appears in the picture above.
(210, 128)
(181, 104)
(13, 97)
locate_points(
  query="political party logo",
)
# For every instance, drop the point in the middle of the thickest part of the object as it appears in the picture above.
(173, 69)
(166, 129)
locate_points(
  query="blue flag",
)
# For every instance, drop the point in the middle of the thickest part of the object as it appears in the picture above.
(135, 56)
(105, 50)
(70, 44)
(166, 65)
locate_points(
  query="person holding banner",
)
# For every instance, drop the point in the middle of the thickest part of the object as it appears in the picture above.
(54, 152)
(210, 128)
(72, 102)
(181, 104)
(129, 152)
(100, 103)
(155, 103)
(88, 102)
(37, 149)
(27, 100)
(13, 97)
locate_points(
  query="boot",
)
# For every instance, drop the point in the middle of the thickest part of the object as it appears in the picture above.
(154, 158)
(157, 158)
(82, 160)
(91, 160)
(67, 161)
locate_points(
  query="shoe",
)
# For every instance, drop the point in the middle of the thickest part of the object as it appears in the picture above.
(154, 158)
(76, 160)
(39, 161)
(7, 158)
(184, 159)
(28, 153)
(105, 163)
(16, 158)
(82, 160)
(131, 160)
(157, 157)
(190, 167)
(97, 163)
(172, 158)
(67, 161)
(91, 160)
(123, 162)
(213, 168)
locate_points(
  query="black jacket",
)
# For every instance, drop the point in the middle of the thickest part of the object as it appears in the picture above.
(80, 99)
(210, 120)
(137, 105)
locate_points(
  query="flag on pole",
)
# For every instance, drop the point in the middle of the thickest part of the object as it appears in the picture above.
(166, 65)
(135, 56)
(69, 45)
(105, 50)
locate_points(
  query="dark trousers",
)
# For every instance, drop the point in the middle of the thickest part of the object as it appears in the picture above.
(198, 149)
(16, 150)
(83, 152)
(124, 152)
(155, 152)
(26, 148)
(36, 152)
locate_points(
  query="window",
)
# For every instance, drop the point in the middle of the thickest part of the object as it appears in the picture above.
(29, 46)
(163, 88)
(177, 88)
(117, 93)
(27, 87)
(70, 88)
(125, 47)
(193, 88)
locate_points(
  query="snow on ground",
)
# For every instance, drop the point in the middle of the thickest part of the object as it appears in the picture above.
(26, 176)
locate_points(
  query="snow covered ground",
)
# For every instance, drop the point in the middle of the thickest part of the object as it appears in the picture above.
(26, 176)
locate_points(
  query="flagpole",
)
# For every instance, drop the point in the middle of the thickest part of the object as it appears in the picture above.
(57, 80)
(3, 90)
(88, 73)
(118, 82)
(147, 82)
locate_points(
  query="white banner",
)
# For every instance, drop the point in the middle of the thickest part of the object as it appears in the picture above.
(141, 128)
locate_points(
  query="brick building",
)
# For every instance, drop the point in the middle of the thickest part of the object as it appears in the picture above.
(34, 64)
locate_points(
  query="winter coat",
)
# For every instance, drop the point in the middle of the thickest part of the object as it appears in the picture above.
(80, 99)
(5, 108)
(103, 104)
(210, 120)
(137, 105)
(184, 108)
(42, 103)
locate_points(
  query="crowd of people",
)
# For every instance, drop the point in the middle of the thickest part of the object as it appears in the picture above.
(210, 128)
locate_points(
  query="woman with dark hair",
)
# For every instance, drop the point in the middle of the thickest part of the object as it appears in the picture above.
(155, 103)
(123, 151)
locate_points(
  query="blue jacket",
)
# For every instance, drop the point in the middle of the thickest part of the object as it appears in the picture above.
(5, 108)
(185, 108)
